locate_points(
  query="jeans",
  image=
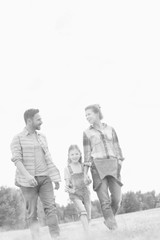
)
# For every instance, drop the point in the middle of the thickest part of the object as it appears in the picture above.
(83, 205)
(109, 203)
(44, 190)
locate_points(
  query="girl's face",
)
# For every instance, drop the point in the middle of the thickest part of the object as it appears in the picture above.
(74, 155)
(91, 116)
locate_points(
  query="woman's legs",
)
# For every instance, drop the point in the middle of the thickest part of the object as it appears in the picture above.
(105, 202)
(116, 196)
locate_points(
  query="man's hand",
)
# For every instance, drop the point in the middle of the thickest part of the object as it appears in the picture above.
(57, 185)
(31, 180)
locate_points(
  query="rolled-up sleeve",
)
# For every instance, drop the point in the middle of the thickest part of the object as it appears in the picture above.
(16, 150)
(87, 149)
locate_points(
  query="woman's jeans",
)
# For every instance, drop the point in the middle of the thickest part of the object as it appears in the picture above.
(109, 204)
(44, 190)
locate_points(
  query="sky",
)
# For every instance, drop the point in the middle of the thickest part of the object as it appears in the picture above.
(60, 56)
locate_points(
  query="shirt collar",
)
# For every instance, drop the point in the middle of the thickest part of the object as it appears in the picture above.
(26, 132)
(103, 124)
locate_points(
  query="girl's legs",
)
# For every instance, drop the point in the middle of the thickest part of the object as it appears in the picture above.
(87, 204)
(83, 214)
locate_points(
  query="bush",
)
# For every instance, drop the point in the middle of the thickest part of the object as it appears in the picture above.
(11, 209)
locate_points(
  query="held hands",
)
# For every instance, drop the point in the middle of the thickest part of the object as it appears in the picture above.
(69, 189)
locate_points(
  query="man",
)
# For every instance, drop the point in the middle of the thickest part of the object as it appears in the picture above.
(35, 173)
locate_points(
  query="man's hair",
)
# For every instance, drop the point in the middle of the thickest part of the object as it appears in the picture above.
(96, 109)
(30, 113)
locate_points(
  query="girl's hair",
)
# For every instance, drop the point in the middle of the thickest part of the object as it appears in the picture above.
(96, 109)
(72, 147)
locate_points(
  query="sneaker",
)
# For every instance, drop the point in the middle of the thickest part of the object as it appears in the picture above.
(111, 223)
(56, 237)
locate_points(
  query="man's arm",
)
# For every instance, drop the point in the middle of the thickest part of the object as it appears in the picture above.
(17, 159)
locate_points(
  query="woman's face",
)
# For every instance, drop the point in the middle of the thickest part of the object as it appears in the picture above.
(91, 116)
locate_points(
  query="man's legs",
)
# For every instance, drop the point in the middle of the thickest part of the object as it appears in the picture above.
(46, 195)
(30, 195)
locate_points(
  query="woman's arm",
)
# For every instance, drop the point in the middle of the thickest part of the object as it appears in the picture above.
(87, 152)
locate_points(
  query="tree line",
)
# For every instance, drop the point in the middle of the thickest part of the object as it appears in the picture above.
(12, 208)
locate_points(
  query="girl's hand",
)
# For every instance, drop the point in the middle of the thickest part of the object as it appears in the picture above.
(71, 190)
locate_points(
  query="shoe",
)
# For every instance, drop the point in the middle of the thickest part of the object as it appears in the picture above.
(56, 237)
(111, 223)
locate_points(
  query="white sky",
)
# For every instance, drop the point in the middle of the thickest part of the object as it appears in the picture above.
(60, 56)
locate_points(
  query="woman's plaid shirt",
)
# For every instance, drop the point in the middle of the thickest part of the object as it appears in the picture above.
(101, 144)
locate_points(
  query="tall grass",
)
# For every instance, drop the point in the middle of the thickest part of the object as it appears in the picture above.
(144, 225)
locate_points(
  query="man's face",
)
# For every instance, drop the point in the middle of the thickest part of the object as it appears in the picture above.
(36, 122)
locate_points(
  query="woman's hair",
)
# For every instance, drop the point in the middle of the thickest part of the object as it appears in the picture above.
(72, 147)
(96, 109)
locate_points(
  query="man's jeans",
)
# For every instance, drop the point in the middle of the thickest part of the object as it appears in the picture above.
(109, 204)
(44, 190)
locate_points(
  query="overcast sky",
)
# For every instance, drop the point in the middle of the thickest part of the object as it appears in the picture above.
(60, 56)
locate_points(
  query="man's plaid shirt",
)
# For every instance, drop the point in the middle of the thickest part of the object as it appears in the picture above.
(22, 148)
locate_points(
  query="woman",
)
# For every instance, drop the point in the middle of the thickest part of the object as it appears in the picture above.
(103, 155)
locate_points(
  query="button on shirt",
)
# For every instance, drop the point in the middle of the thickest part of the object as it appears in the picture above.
(101, 147)
(40, 163)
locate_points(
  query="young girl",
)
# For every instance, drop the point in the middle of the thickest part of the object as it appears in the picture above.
(77, 187)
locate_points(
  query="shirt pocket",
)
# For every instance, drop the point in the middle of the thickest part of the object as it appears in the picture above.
(108, 134)
(96, 140)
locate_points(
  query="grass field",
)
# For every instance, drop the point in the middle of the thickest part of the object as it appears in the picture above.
(144, 225)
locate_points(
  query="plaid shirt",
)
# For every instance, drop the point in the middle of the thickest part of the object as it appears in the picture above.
(22, 148)
(101, 144)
